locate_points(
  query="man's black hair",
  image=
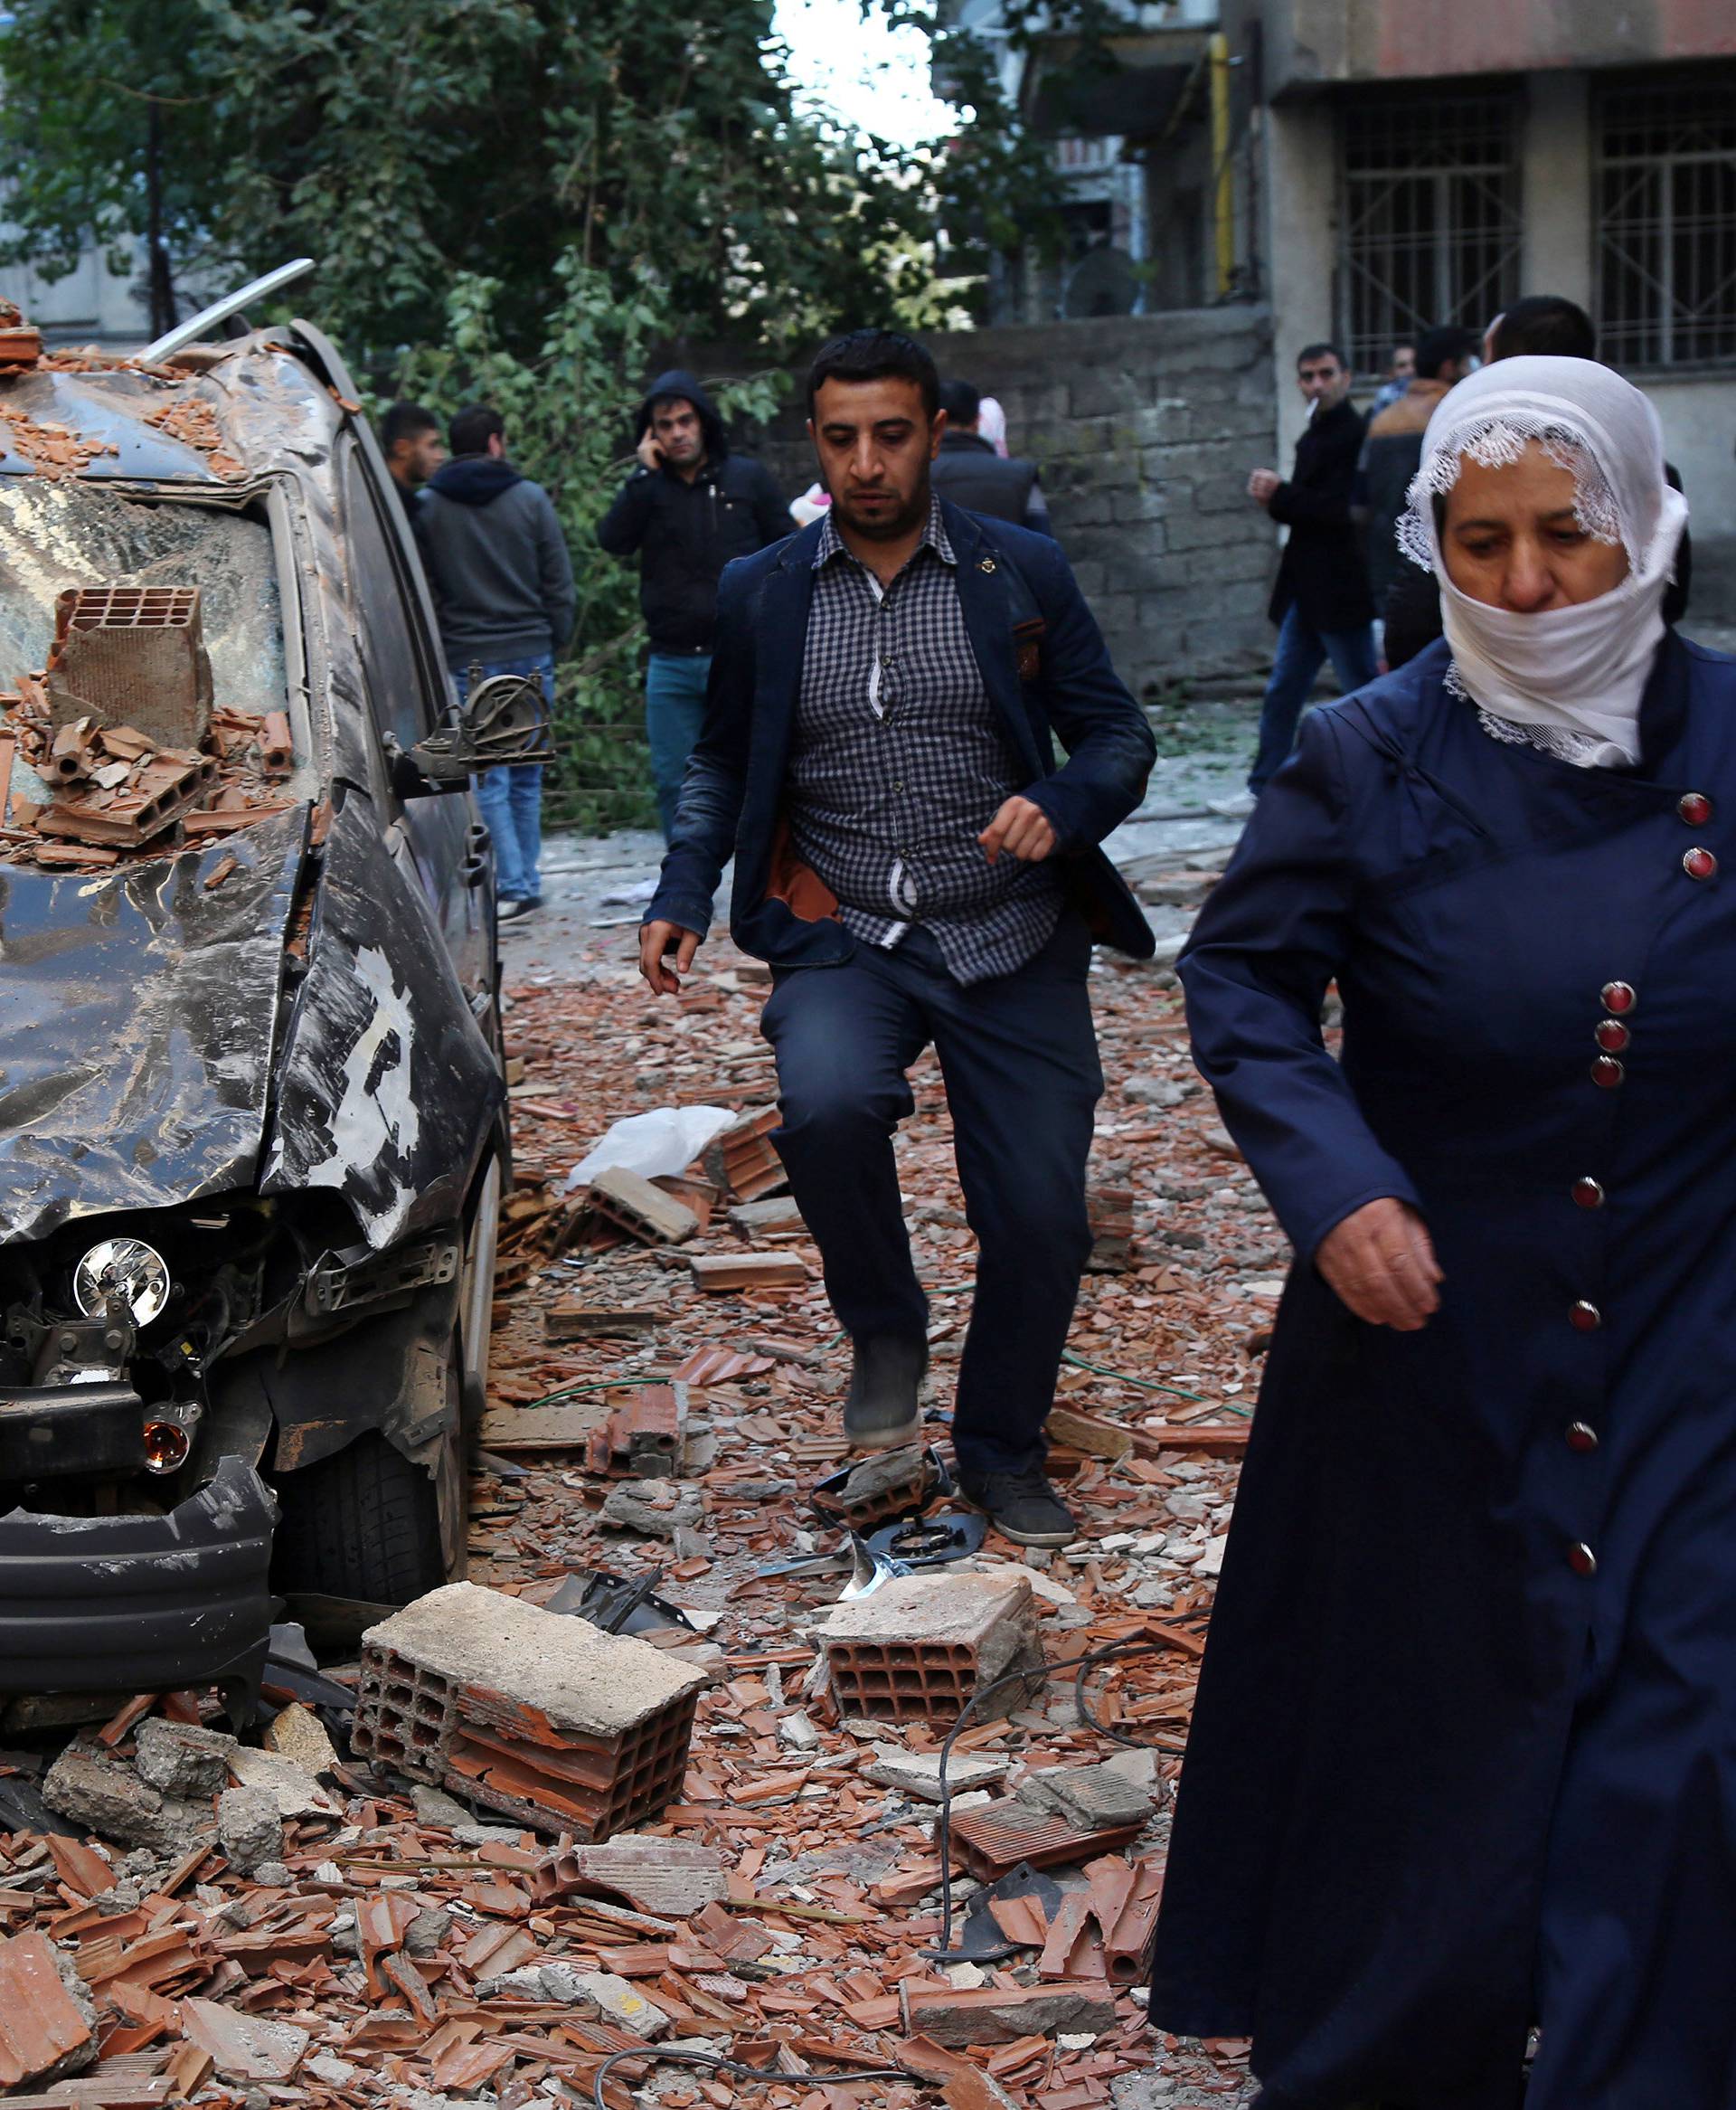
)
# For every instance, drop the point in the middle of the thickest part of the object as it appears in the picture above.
(1545, 324)
(875, 355)
(404, 421)
(474, 427)
(1321, 350)
(1436, 347)
(962, 404)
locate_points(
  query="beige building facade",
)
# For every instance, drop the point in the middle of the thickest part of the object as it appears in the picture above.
(1410, 164)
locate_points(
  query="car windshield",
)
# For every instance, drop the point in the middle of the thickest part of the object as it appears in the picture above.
(63, 534)
(142, 657)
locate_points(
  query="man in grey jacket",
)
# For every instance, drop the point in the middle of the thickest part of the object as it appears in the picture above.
(501, 579)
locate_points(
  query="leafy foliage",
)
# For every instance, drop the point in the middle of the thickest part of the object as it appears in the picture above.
(518, 201)
(406, 143)
(997, 190)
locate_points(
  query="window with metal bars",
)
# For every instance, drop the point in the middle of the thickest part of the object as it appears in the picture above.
(1665, 202)
(1428, 217)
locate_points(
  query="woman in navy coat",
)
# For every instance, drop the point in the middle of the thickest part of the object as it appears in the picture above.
(1464, 1758)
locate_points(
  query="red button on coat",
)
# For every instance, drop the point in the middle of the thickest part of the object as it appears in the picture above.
(1612, 1035)
(1582, 1560)
(1585, 1318)
(1694, 807)
(1588, 1193)
(1699, 863)
(1618, 996)
(1608, 1073)
(1581, 1436)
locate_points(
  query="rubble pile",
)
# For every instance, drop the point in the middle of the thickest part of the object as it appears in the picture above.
(813, 1806)
(333, 1920)
(115, 745)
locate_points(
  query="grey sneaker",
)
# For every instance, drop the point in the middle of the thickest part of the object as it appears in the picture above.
(881, 1411)
(1022, 1506)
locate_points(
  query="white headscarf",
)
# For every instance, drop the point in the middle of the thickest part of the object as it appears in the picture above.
(1577, 672)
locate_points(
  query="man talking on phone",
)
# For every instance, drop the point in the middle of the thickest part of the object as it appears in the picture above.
(688, 509)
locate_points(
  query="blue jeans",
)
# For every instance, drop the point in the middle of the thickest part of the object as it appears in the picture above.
(1019, 1057)
(1302, 651)
(675, 714)
(511, 800)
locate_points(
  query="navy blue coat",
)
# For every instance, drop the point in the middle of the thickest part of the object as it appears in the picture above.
(1046, 672)
(1464, 1756)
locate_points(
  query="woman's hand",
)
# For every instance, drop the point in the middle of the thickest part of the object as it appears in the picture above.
(1380, 1261)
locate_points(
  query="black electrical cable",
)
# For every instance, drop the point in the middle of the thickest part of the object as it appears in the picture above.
(708, 2063)
(1111, 1653)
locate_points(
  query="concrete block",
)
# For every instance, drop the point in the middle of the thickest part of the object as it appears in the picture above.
(1141, 504)
(298, 1735)
(532, 1712)
(249, 1829)
(293, 1789)
(918, 1772)
(1224, 492)
(620, 2004)
(179, 1759)
(1095, 1798)
(921, 1647)
(94, 1790)
(641, 1505)
(633, 1203)
(1190, 531)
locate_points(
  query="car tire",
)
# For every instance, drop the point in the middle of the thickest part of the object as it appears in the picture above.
(364, 1523)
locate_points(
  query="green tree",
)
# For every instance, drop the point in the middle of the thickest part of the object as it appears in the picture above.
(407, 143)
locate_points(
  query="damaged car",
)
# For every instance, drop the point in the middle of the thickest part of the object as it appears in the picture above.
(253, 1126)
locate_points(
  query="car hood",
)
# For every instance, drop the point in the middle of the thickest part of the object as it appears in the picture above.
(137, 1014)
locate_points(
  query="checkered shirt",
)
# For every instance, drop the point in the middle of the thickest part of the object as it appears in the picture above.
(898, 762)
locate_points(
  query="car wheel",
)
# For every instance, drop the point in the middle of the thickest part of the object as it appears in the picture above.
(365, 1523)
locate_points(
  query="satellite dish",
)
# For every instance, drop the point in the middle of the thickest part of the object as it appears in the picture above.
(1101, 283)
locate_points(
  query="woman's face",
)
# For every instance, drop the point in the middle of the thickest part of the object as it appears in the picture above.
(1511, 538)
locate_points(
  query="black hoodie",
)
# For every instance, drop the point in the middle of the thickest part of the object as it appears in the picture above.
(685, 533)
(496, 561)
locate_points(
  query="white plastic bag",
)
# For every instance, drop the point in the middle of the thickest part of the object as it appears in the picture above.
(654, 1145)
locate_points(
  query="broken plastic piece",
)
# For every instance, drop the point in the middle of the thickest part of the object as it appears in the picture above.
(929, 1542)
(617, 1603)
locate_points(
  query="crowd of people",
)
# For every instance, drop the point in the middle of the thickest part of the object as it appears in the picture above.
(501, 576)
(1345, 592)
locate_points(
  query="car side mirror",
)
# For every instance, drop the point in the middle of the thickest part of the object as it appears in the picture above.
(503, 724)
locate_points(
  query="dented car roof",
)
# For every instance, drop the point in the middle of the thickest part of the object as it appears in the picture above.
(217, 416)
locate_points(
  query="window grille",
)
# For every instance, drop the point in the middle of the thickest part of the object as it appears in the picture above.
(1429, 219)
(1665, 193)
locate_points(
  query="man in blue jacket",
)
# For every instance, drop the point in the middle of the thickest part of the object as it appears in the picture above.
(877, 756)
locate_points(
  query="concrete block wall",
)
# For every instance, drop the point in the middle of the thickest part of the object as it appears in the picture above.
(1144, 429)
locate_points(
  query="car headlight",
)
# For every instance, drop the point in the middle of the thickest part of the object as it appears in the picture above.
(126, 1268)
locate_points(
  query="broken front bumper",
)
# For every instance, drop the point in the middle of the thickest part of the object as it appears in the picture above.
(140, 1604)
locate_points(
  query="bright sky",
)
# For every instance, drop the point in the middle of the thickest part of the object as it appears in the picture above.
(871, 75)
